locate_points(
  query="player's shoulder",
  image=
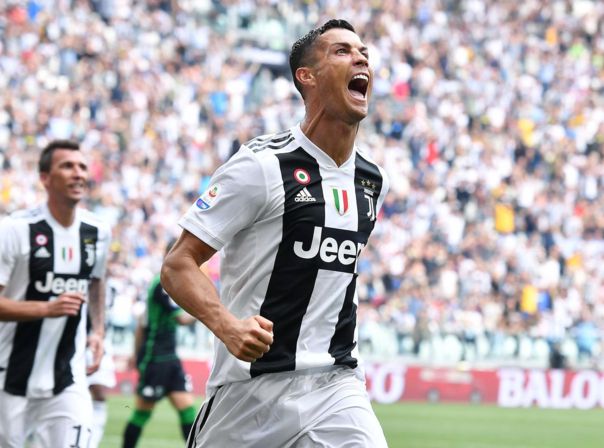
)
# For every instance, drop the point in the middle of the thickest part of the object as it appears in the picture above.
(88, 217)
(258, 154)
(364, 154)
(268, 144)
(155, 282)
(25, 216)
(364, 158)
(15, 226)
(368, 166)
(156, 290)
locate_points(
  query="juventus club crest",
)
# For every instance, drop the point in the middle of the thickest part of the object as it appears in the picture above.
(89, 248)
(368, 192)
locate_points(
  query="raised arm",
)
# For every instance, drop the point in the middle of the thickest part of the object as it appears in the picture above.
(247, 339)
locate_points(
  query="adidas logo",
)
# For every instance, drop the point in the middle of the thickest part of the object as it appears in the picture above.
(304, 196)
(42, 253)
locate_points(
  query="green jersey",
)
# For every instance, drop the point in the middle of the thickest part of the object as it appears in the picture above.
(159, 342)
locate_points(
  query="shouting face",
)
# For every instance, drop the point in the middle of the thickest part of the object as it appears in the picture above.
(342, 76)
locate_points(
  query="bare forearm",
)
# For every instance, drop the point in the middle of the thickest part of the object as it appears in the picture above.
(96, 305)
(246, 338)
(195, 293)
(12, 310)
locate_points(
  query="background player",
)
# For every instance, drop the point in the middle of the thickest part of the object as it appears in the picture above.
(52, 265)
(160, 369)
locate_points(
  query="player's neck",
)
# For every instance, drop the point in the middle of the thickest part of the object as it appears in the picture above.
(334, 137)
(64, 213)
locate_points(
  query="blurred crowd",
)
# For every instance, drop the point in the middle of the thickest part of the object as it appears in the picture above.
(487, 115)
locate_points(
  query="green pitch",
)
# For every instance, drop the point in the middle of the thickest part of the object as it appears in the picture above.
(417, 425)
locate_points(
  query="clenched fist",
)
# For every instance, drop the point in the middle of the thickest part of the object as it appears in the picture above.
(249, 339)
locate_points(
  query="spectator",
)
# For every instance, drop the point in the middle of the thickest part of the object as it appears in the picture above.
(489, 116)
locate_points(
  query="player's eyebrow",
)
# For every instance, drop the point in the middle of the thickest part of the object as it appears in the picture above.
(70, 163)
(363, 49)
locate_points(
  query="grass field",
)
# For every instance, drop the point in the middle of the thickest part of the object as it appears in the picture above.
(418, 425)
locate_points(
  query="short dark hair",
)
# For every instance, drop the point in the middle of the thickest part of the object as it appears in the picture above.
(300, 52)
(45, 161)
(170, 244)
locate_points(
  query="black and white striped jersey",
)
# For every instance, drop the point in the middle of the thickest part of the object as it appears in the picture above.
(290, 225)
(39, 260)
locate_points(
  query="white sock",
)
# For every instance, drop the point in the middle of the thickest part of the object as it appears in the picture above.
(99, 418)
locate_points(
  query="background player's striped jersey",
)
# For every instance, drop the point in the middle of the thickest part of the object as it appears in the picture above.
(290, 224)
(39, 260)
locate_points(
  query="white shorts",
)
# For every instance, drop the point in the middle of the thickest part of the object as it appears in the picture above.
(105, 376)
(62, 421)
(317, 408)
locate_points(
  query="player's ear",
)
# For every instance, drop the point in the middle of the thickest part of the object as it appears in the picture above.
(44, 178)
(305, 76)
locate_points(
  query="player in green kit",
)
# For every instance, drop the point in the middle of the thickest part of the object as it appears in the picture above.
(160, 370)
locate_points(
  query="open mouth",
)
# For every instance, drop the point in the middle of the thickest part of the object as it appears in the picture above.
(358, 85)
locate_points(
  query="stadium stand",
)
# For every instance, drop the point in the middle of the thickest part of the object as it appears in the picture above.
(488, 115)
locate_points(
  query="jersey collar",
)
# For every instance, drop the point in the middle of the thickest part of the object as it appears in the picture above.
(56, 224)
(321, 156)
